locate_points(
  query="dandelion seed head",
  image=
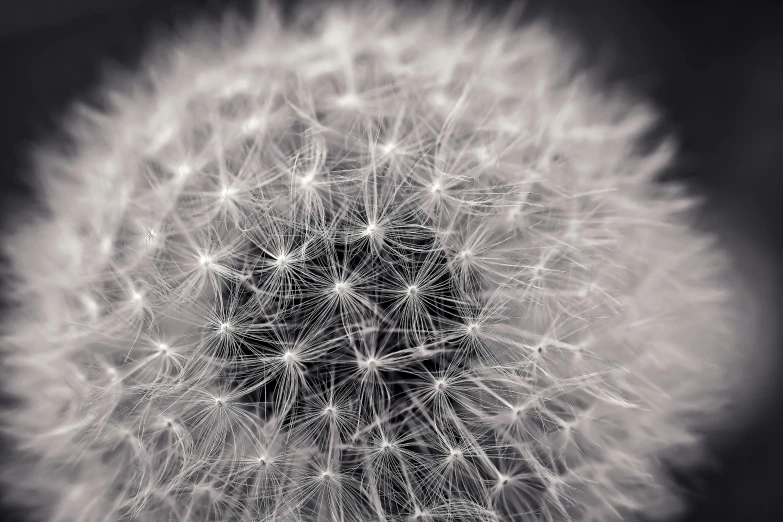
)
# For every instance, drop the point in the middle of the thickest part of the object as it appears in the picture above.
(227, 192)
(151, 235)
(184, 170)
(251, 124)
(307, 180)
(324, 296)
(388, 148)
(282, 260)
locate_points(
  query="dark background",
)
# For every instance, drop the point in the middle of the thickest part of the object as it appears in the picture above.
(715, 69)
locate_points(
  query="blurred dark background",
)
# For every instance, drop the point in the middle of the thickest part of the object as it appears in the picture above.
(715, 69)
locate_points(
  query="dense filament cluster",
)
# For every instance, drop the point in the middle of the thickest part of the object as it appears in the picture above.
(396, 267)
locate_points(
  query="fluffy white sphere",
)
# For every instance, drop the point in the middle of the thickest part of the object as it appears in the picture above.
(382, 263)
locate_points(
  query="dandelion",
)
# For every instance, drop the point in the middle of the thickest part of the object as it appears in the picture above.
(394, 265)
